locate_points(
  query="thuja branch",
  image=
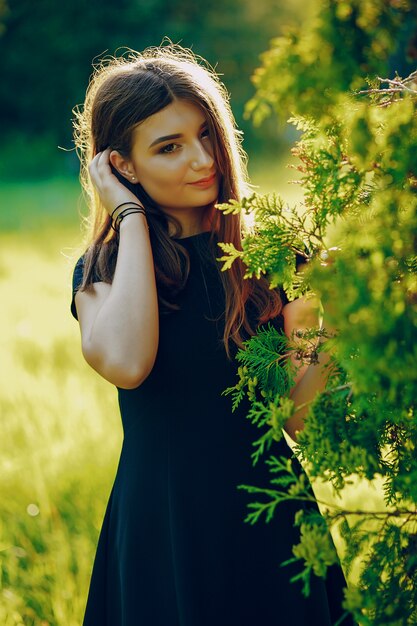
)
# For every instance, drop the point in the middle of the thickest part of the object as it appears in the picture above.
(397, 85)
(357, 160)
(337, 511)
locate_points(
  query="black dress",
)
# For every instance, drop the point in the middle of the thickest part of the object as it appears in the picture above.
(174, 549)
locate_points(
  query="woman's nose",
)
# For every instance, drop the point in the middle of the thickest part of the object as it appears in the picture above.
(201, 158)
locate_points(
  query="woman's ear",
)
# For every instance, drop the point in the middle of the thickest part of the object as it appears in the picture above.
(122, 165)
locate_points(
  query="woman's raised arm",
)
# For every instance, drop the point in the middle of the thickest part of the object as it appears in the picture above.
(119, 322)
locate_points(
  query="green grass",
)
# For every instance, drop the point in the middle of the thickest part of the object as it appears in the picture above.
(35, 205)
(61, 431)
(61, 435)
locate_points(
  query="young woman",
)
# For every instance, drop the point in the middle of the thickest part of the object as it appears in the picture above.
(160, 321)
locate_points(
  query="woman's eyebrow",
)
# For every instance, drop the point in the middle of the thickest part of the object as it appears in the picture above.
(169, 137)
(165, 138)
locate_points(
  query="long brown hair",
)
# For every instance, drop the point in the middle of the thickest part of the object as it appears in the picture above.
(124, 91)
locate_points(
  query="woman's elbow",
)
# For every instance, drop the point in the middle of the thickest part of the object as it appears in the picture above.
(125, 381)
(126, 378)
(120, 372)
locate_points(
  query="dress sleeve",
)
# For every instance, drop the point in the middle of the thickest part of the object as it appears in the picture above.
(77, 279)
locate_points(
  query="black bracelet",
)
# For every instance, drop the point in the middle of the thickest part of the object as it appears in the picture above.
(127, 212)
(123, 214)
(124, 204)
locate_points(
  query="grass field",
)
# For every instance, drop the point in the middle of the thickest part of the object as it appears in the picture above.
(61, 431)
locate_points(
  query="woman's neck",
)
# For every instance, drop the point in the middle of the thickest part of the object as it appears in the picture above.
(193, 221)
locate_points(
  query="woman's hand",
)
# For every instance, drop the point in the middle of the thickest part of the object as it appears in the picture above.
(111, 191)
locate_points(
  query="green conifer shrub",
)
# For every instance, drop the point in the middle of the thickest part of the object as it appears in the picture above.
(356, 230)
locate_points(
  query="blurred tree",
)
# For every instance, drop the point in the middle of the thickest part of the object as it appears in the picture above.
(356, 230)
(47, 50)
(3, 13)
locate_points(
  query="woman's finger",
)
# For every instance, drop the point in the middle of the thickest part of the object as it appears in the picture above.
(103, 158)
(99, 166)
(93, 163)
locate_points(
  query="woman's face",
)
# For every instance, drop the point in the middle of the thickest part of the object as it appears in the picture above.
(172, 158)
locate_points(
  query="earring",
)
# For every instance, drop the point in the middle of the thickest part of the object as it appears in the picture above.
(133, 178)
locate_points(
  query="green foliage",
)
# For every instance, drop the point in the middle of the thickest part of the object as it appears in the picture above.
(267, 362)
(290, 484)
(356, 233)
(315, 549)
(309, 67)
(276, 224)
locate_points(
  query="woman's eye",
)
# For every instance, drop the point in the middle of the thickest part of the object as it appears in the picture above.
(205, 133)
(171, 147)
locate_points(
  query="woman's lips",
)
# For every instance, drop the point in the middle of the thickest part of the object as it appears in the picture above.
(205, 182)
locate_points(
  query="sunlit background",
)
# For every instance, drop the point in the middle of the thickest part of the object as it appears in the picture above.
(60, 428)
